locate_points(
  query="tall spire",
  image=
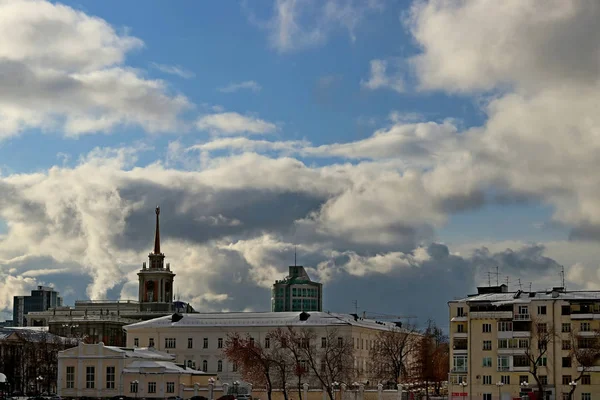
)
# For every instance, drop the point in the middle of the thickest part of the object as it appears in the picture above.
(157, 233)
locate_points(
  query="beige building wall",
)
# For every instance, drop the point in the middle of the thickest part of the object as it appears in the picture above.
(476, 335)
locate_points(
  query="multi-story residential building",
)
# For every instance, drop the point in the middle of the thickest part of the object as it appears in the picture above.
(98, 371)
(495, 335)
(198, 339)
(41, 299)
(297, 292)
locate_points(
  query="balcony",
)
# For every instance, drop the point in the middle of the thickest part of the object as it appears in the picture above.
(459, 334)
(522, 317)
(503, 368)
(459, 369)
(521, 334)
(460, 318)
(584, 316)
(491, 314)
(587, 333)
(516, 350)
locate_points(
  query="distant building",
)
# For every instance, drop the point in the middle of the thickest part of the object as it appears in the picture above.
(297, 292)
(41, 299)
(102, 320)
(99, 371)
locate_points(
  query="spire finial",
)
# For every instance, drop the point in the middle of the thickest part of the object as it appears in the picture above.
(157, 233)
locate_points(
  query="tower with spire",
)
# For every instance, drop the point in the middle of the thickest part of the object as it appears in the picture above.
(156, 280)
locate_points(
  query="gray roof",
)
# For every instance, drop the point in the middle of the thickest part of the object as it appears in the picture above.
(170, 367)
(261, 319)
(524, 297)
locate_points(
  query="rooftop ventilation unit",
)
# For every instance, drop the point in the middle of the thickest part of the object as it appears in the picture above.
(304, 316)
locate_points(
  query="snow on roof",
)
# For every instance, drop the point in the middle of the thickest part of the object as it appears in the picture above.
(142, 352)
(169, 367)
(261, 319)
(525, 297)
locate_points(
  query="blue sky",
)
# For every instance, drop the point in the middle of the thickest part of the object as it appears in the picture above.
(367, 133)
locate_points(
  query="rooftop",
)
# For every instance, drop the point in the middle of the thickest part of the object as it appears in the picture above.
(169, 367)
(264, 319)
(520, 297)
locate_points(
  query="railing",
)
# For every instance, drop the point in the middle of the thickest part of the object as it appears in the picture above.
(503, 368)
(459, 369)
(522, 317)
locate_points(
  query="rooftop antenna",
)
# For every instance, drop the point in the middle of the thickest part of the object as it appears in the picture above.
(355, 302)
(529, 287)
(562, 276)
(295, 246)
(489, 278)
(507, 280)
(520, 286)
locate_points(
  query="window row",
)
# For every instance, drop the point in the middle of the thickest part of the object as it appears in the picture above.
(134, 387)
(90, 377)
(171, 343)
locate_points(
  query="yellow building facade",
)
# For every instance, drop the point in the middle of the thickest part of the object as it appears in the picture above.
(495, 335)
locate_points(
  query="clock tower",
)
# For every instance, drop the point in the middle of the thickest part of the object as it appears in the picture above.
(156, 280)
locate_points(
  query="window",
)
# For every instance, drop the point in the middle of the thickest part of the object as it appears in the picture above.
(566, 345)
(305, 343)
(542, 361)
(90, 376)
(205, 365)
(487, 380)
(323, 342)
(505, 326)
(340, 341)
(460, 328)
(566, 362)
(136, 342)
(503, 363)
(565, 396)
(487, 345)
(220, 366)
(190, 343)
(170, 387)
(460, 363)
(110, 377)
(460, 312)
(151, 387)
(586, 380)
(151, 342)
(566, 327)
(544, 379)
(523, 310)
(520, 361)
(133, 387)
(220, 343)
(542, 310)
(505, 379)
(566, 379)
(487, 361)
(586, 396)
(267, 343)
(234, 367)
(70, 377)
(523, 379)
(542, 344)
(523, 343)
(170, 343)
(205, 343)
(486, 396)
(585, 327)
(542, 328)
(565, 310)
(486, 328)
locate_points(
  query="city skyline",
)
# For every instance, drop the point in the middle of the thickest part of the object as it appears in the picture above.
(414, 147)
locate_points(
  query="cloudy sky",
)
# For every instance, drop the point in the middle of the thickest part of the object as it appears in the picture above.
(406, 148)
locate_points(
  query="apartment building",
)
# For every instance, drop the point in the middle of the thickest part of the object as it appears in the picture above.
(197, 340)
(495, 334)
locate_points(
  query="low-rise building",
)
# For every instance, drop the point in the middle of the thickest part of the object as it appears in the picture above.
(99, 371)
(197, 340)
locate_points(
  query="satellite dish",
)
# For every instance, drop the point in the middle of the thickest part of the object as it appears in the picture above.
(2, 378)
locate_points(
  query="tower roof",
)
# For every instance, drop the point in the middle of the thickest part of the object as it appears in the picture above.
(157, 233)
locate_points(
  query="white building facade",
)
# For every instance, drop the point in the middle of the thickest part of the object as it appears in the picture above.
(198, 339)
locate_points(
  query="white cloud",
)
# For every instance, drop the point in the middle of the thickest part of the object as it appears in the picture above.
(379, 78)
(231, 123)
(62, 70)
(234, 87)
(301, 24)
(174, 70)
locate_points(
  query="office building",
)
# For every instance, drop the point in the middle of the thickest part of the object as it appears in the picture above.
(41, 299)
(297, 292)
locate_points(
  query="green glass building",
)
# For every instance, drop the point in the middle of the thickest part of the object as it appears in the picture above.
(297, 292)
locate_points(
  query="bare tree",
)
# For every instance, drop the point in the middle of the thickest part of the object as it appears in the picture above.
(542, 337)
(584, 353)
(255, 362)
(289, 339)
(330, 358)
(432, 358)
(392, 352)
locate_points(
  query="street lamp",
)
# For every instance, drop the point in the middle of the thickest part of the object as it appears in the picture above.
(235, 387)
(136, 384)
(573, 385)
(38, 381)
(463, 384)
(211, 388)
(499, 384)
